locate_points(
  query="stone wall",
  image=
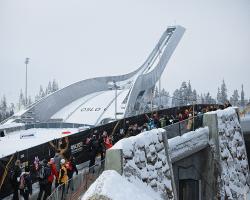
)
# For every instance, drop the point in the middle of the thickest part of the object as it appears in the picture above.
(233, 157)
(145, 158)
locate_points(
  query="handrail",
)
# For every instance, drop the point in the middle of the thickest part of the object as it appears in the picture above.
(82, 177)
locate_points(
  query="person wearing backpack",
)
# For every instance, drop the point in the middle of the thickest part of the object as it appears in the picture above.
(25, 185)
(71, 168)
(57, 159)
(15, 178)
(53, 174)
(43, 174)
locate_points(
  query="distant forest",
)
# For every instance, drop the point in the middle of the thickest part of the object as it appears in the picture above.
(185, 95)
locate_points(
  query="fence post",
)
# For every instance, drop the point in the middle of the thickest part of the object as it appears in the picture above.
(114, 160)
(179, 125)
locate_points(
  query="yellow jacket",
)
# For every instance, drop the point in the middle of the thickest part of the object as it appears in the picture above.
(63, 177)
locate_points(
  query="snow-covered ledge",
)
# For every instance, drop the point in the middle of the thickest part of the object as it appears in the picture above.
(188, 144)
(145, 157)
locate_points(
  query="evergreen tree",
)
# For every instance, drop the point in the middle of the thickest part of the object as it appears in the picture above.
(235, 98)
(176, 98)
(242, 97)
(29, 101)
(209, 99)
(41, 92)
(189, 93)
(48, 90)
(3, 105)
(54, 86)
(156, 92)
(183, 94)
(219, 98)
(164, 97)
(12, 109)
(194, 95)
(223, 92)
(202, 99)
(21, 102)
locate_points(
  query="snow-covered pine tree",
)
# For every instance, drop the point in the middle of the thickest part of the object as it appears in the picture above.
(183, 94)
(54, 86)
(41, 92)
(29, 101)
(189, 93)
(21, 102)
(3, 105)
(219, 99)
(194, 95)
(48, 90)
(223, 92)
(242, 97)
(176, 98)
(235, 98)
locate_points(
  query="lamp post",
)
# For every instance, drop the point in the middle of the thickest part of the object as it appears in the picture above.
(26, 80)
(115, 86)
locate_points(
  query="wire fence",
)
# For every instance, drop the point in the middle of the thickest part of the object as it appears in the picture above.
(78, 184)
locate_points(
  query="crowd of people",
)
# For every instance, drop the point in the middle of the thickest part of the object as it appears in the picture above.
(98, 142)
(59, 171)
(56, 171)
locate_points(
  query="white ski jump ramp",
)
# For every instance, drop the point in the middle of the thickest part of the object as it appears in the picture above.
(98, 100)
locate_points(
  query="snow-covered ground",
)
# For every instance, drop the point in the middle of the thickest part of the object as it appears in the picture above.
(111, 185)
(24, 139)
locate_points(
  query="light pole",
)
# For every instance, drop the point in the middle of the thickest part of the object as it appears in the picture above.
(116, 87)
(26, 80)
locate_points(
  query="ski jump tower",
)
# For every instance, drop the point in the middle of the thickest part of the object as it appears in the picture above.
(98, 100)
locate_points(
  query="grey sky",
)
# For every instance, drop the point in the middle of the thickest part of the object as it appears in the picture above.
(75, 40)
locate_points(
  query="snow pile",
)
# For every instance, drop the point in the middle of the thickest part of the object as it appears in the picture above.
(112, 186)
(233, 157)
(144, 157)
(188, 143)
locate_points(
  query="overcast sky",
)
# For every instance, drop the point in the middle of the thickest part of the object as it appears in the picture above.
(71, 40)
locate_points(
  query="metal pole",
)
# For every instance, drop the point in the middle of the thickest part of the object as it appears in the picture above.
(160, 78)
(152, 93)
(193, 114)
(115, 102)
(26, 80)
(26, 86)
(160, 91)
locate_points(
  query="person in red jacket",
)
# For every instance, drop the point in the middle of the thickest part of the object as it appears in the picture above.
(106, 140)
(53, 174)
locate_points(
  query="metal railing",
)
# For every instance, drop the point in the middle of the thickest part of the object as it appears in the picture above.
(56, 125)
(78, 184)
(184, 126)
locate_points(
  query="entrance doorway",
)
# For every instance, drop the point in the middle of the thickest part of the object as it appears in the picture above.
(188, 189)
